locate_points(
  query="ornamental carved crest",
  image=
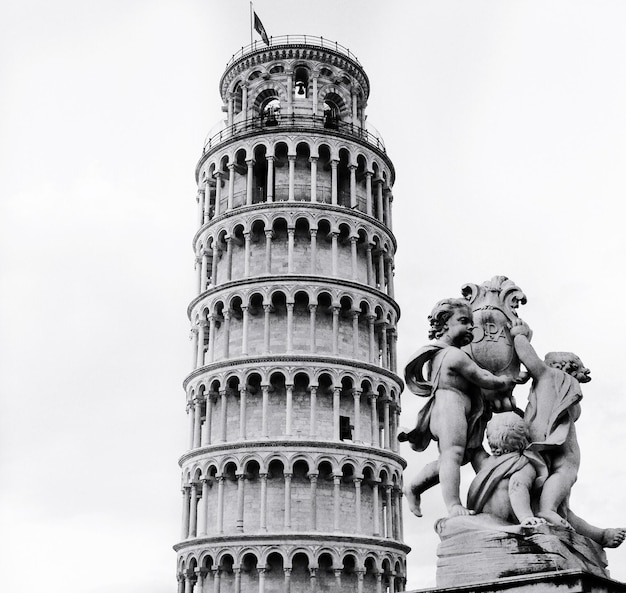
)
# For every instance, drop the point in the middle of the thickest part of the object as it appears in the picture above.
(494, 304)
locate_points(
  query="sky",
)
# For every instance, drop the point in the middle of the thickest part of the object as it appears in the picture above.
(506, 125)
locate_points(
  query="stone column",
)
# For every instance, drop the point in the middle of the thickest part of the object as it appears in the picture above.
(334, 253)
(197, 415)
(355, 111)
(204, 508)
(336, 408)
(205, 438)
(200, 201)
(393, 349)
(216, 580)
(357, 415)
(206, 216)
(290, 245)
(312, 326)
(289, 90)
(333, 181)
(246, 254)
(386, 207)
(353, 201)
(313, 508)
(242, 413)
(353, 250)
(357, 503)
(266, 329)
(314, 90)
(200, 351)
(218, 192)
(355, 332)
(287, 580)
(313, 418)
(290, 307)
(371, 277)
(379, 582)
(249, 181)
(383, 339)
(231, 186)
(368, 192)
(335, 309)
(396, 512)
(381, 270)
(194, 347)
(199, 275)
(203, 270)
(337, 579)
(376, 509)
(313, 161)
(336, 502)
(240, 500)
(288, 500)
(379, 199)
(313, 233)
(188, 584)
(244, 330)
(231, 108)
(263, 509)
(268, 251)
(193, 509)
(313, 580)
(216, 253)
(374, 419)
(211, 352)
(373, 350)
(270, 179)
(389, 266)
(265, 404)
(237, 572)
(360, 574)
(226, 330)
(229, 258)
(261, 572)
(224, 414)
(185, 520)
(292, 176)
(288, 410)
(386, 421)
(388, 509)
(220, 504)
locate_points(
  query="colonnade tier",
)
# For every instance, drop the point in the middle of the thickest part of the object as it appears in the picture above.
(354, 565)
(287, 168)
(334, 249)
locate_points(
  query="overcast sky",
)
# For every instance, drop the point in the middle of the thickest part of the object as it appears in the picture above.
(506, 123)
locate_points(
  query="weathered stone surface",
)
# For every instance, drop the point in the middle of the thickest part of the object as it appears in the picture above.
(480, 548)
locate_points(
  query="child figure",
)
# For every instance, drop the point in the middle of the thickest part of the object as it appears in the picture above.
(553, 408)
(454, 416)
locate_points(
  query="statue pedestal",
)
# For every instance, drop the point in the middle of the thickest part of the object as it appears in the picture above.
(482, 548)
(562, 581)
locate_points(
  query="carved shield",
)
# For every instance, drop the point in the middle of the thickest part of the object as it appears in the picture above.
(494, 304)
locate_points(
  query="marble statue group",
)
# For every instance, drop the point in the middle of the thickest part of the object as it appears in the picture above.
(468, 374)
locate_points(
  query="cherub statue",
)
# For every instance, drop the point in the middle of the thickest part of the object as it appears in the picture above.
(505, 481)
(509, 482)
(553, 408)
(454, 416)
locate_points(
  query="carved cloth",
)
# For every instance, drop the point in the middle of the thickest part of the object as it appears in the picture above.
(421, 436)
(501, 467)
(564, 412)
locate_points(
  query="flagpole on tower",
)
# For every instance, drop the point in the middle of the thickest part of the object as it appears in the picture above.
(251, 22)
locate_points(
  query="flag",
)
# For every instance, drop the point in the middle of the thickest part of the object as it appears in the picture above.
(260, 29)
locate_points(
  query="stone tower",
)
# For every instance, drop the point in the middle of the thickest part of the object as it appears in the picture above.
(292, 480)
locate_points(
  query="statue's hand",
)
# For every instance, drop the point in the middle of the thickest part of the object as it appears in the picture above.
(522, 378)
(520, 328)
(532, 521)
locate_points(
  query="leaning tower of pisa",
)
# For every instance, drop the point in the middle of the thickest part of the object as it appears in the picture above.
(292, 478)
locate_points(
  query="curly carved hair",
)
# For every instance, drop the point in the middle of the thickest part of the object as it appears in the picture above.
(562, 360)
(440, 314)
(507, 432)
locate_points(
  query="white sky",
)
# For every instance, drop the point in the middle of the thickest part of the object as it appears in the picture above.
(506, 123)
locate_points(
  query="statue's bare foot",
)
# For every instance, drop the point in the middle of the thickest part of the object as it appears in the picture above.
(459, 510)
(613, 537)
(554, 519)
(414, 501)
(533, 521)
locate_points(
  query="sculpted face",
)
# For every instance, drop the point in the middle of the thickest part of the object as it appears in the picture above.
(578, 370)
(460, 327)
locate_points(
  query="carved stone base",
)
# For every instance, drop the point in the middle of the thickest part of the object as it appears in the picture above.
(481, 548)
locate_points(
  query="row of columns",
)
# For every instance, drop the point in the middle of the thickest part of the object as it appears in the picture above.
(378, 261)
(382, 337)
(387, 515)
(195, 581)
(379, 433)
(355, 118)
(375, 190)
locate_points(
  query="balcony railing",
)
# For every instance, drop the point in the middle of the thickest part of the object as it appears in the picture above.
(315, 122)
(293, 40)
